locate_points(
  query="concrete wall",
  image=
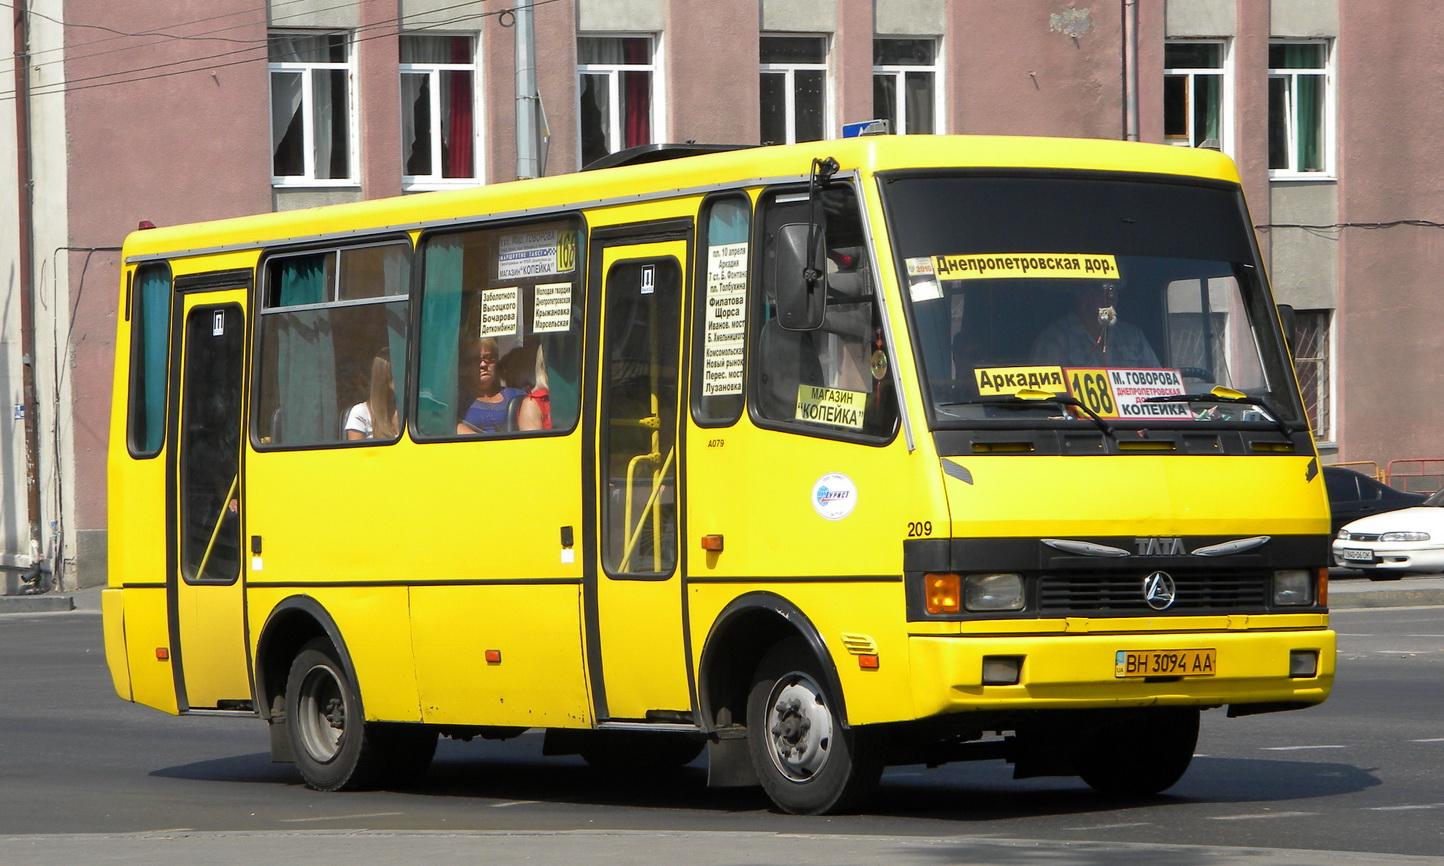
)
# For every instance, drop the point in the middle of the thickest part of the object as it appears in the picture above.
(1389, 322)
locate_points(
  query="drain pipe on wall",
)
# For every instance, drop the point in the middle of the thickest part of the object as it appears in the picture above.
(1130, 70)
(25, 208)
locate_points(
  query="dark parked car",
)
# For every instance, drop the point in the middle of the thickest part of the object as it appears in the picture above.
(1353, 495)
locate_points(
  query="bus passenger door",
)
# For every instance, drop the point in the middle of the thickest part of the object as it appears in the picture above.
(637, 655)
(203, 583)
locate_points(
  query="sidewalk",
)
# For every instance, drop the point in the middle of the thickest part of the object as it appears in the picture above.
(1347, 589)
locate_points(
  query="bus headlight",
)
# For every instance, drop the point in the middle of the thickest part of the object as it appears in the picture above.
(1293, 588)
(993, 592)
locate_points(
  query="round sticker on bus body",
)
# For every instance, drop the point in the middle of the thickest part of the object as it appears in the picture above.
(834, 496)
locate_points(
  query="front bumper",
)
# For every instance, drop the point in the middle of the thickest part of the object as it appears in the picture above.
(1068, 671)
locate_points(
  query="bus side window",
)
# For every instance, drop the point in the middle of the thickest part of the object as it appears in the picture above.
(720, 318)
(150, 340)
(332, 346)
(837, 379)
(501, 330)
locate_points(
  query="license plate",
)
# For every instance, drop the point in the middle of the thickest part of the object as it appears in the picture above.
(1166, 663)
(1355, 555)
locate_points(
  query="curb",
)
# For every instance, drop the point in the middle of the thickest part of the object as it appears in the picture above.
(42, 603)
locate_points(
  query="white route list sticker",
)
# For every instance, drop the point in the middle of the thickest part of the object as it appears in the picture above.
(726, 319)
(499, 311)
(552, 309)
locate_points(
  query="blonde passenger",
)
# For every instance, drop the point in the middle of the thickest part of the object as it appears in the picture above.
(536, 408)
(376, 417)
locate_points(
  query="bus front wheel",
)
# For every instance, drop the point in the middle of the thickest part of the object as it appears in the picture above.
(334, 747)
(807, 761)
(1138, 753)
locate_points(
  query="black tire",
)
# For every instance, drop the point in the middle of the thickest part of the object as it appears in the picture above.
(638, 751)
(334, 747)
(807, 761)
(1138, 753)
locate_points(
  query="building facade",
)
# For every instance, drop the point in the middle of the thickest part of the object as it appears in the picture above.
(188, 110)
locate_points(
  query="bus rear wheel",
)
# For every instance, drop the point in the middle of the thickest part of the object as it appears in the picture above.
(807, 761)
(334, 747)
(1138, 753)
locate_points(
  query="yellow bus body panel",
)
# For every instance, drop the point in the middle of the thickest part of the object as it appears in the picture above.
(375, 625)
(152, 679)
(112, 615)
(1138, 495)
(537, 680)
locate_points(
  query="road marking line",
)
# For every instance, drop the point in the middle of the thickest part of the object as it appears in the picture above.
(1430, 740)
(512, 803)
(1112, 826)
(341, 817)
(1405, 808)
(1256, 817)
(1297, 748)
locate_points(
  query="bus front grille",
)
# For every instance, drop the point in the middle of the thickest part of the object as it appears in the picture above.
(1091, 593)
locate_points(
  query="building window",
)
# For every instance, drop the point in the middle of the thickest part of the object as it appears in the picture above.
(905, 80)
(312, 141)
(1193, 93)
(1312, 361)
(1299, 108)
(438, 109)
(616, 82)
(794, 89)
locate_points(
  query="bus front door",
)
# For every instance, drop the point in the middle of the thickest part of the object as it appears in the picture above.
(635, 644)
(204, 555)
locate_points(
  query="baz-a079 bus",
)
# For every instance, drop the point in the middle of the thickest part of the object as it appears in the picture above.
(821, 458)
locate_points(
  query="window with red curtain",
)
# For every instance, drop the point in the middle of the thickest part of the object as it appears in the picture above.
(438, 108)
(614, 93)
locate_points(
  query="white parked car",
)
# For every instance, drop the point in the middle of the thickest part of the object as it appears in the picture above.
(1384, 546)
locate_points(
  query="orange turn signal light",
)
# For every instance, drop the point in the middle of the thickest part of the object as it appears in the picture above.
(868, 662)
(162, 653)
(711, 542)
(493, 657)
(943, 593)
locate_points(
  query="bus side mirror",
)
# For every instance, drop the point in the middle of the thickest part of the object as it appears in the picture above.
(1290, 321)
(799, 277)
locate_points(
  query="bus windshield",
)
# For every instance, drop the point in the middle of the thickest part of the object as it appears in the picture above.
(1139, 301)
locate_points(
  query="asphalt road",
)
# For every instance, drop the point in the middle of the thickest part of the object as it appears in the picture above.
(87, 777)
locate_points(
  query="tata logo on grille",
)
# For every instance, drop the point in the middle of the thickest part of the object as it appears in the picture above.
(1159, 591)
(1160, 546)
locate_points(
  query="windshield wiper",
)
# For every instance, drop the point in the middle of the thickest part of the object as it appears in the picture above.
(1220, 394)
(1021, 399)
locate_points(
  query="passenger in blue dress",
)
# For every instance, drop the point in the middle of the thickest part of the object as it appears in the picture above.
(487, 413)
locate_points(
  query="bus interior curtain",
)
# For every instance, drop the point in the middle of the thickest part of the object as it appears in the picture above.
(440, 328)
(306, 355)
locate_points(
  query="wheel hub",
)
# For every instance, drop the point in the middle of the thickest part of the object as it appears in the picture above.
(800, 728)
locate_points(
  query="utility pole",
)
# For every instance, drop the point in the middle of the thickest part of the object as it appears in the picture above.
(528, 145)
(25, 207)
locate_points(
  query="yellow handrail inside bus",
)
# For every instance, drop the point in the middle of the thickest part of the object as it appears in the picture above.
(216, 530)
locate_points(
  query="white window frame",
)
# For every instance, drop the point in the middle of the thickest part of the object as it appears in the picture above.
(1224, 72)
(789, 72)
(616, 131)
(1324, 382)
(1326, 80)
(899, 72)
(437, 179)
(308, 146)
